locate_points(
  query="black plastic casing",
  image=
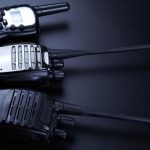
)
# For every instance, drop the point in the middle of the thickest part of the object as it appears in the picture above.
(33, 78)
(30, 78)
(29, 34)
(38, 77)
(27, 115)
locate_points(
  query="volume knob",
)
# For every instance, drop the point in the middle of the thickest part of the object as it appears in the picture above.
(60, 133)
(58, 74)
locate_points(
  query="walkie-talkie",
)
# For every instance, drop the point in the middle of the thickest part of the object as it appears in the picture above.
(34, 116)
(30, 64)
(21, 23)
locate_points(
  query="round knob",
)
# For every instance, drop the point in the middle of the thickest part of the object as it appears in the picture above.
(60, 133)
(58, 63)
(58, 74)
(65, 120)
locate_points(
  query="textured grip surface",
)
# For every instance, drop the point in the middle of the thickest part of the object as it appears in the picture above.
(27, 112)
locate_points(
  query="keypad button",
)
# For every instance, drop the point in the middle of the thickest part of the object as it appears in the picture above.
(21, 27)
(12, 27)
(2, 12)
(5, 22)
(1, 18)
(1, 26)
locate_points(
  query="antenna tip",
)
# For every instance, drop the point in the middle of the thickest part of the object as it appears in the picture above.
(68, 6)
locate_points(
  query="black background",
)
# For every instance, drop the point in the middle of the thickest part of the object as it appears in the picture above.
(116, 83)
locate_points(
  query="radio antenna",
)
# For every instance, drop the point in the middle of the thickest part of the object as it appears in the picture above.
(70, 109)
(50, 9)
(66, 54)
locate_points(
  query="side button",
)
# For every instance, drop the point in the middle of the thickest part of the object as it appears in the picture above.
(21, 27)
(2, 12)
(7, 8)
(12, 27)
(1, 18)
(5, 22)
(1, 26)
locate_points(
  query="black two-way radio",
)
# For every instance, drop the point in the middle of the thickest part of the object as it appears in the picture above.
(34, 65)
(31, 115)
(21, 22)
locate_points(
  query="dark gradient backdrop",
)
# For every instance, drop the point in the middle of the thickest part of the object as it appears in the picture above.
(117, 83)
